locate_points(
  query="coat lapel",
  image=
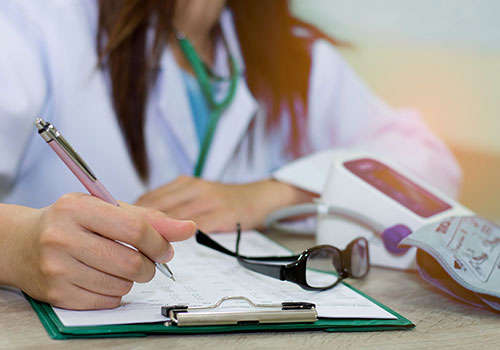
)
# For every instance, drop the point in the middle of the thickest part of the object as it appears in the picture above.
(230, 131)
(176, 114)
(234, 121)
(175, 110)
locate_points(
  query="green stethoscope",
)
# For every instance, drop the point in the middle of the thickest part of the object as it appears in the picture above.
(203, 75)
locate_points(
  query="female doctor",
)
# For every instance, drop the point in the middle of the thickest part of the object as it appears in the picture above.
(184, 108)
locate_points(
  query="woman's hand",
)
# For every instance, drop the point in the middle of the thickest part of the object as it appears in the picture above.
(218, 207)
(67, 254)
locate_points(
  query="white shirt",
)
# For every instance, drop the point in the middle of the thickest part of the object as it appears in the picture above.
(48, 68)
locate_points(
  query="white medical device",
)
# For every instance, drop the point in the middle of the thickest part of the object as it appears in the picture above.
(368, 196)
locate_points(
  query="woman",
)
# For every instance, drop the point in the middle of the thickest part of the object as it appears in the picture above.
(185, 106)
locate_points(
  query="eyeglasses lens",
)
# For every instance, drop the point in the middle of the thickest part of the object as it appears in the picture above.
(359, 258)
(320, 267)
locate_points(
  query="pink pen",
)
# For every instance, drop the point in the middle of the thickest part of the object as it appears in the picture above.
(81, 170)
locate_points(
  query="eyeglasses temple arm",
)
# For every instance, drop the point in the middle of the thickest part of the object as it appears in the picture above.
(270, 270)
(203, 239)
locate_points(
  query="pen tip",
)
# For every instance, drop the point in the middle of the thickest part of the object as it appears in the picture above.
(172, 278)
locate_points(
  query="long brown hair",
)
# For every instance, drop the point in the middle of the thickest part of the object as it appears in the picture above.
(277, 60)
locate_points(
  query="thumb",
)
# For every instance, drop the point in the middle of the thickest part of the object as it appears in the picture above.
(172, 230)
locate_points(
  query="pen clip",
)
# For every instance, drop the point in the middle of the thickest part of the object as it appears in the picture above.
(50, 133)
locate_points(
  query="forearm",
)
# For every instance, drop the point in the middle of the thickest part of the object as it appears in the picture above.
(16, 223)
(217, 207)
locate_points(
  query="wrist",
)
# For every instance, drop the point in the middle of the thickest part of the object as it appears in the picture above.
(274, 195)
(18, 223)
(286, 195)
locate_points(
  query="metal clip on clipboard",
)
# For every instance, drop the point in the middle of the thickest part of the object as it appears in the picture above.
(286, 312)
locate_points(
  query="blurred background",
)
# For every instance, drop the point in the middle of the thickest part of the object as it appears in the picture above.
(441, 57)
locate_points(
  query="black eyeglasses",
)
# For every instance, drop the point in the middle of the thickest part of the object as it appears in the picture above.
(318, 268)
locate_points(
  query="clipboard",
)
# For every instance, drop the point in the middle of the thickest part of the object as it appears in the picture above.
(286, 312)
(254, 318)
(57, 330)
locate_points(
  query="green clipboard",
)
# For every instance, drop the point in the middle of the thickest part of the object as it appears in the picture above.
(57, 330)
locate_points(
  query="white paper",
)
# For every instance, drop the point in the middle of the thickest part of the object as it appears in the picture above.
(203, 276)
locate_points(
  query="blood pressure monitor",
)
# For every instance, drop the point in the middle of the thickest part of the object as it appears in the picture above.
(381, 202)
(397, 187)
(365, 195)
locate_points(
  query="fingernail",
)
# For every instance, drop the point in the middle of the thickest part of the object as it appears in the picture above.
(189, 221)
(168, 255)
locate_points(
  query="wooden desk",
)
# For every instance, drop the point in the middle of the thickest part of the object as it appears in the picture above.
(440, 322)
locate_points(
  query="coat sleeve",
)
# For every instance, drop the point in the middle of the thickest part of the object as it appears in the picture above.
(23, 87)
(345, 115)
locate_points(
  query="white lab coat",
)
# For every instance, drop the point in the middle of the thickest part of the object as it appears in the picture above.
(48, 68)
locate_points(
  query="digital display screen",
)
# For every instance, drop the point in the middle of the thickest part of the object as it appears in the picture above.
(397, 187)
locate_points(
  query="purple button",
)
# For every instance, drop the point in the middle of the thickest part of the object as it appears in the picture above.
(392, 236)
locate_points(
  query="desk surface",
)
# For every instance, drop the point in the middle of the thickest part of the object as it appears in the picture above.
(440, 322)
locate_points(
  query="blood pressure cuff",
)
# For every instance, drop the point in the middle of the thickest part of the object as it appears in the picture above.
(433, 272)
(461, 256)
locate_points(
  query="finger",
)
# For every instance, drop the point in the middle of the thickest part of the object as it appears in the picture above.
(167, 202)
(215, 222)
(179, 183)
(192, 209)
(76, 298)
(123, 225)
(171, 229)
(112, 258)
(96, 281)
(170, 200)
(153, 196)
